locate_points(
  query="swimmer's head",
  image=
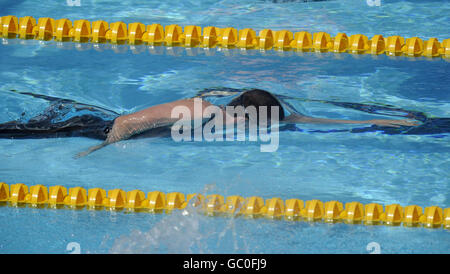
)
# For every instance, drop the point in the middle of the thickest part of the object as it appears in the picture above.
(258, 98)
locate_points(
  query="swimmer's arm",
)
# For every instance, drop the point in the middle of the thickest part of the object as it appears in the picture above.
(127, 126)
(162, 115)
(297, 118)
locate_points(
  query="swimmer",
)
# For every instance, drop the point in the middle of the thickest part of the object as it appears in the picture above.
(111, 127)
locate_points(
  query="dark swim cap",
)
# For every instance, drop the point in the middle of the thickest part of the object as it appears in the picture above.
(257, 98)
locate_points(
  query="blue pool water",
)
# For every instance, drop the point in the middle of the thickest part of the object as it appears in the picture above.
(364, 167)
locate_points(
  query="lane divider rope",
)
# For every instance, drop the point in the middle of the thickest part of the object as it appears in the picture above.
(83, 31)
(276, 208)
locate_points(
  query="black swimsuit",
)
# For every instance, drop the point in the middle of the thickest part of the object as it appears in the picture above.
(79, 126)
(63, 118)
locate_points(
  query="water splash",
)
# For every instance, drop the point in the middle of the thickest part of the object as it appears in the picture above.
(185, 231)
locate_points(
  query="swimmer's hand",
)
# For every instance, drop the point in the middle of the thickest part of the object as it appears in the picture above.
(119, 132)
(393, 123)
(90, 150)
